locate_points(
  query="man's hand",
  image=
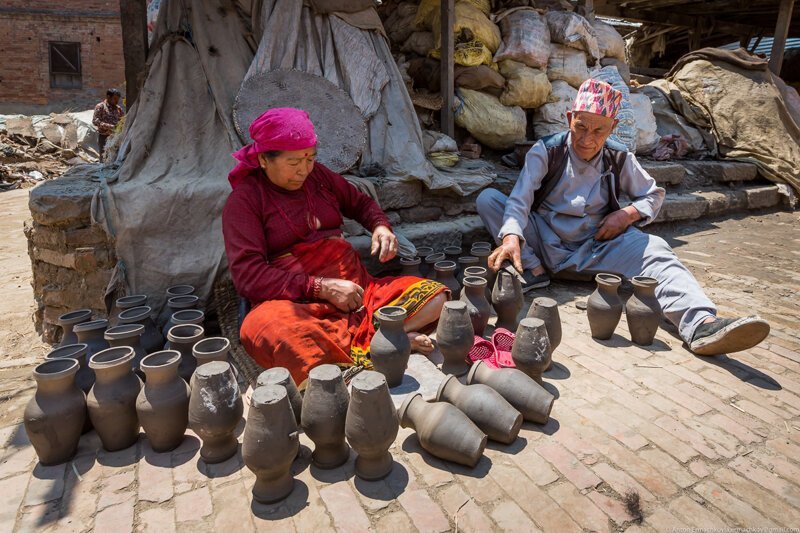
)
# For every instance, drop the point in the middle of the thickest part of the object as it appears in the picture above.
(616, 223)
(384, 243)
(508, 251)
(345, 295)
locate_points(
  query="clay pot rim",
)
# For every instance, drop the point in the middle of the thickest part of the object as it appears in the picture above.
(425, 249)
(481, 244)
(473, 370)
(157, 360)
(135, 313)
(410, 260)
(128, 301)
(391, 313)
(401, 411)
(182, 301)
(124, 331)
(280, 369)
(471, 273)
(470, 259)
(279, 393)
(545, 301)
(445, 266)
(195, 313)
(100, 323)
(481, 252)
(59, 368)
(173, 334)
(223, 341)
(475, 281)
(213, 368)
(608, 279)
(435, 257)
(454, 250)
(183, 289)
(72, 351)
(74, 317)
(115, 355)
(442, 385)
(644, 281)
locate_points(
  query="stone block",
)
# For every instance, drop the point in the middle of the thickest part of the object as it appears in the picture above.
(761, 197)
(62, 201)
(665, 172)
(53, 257)
(723, 170)
(682, 207)
(420, 214)
(86, 259)
(399, 194)
(87, 236)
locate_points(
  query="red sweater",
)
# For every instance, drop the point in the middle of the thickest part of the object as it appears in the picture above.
(255, 227)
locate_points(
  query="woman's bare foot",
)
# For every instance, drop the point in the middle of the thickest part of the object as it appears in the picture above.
(420, 343)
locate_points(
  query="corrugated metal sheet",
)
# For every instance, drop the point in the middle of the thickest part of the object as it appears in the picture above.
(765, 46)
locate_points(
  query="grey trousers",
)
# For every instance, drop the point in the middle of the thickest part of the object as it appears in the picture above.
(633, 253)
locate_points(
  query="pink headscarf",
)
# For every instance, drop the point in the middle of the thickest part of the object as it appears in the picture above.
(280, 128)
(598, 97)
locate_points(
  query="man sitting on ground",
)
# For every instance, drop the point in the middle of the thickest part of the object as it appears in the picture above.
(564, 215)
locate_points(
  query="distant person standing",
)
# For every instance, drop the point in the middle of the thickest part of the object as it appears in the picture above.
(106, 116)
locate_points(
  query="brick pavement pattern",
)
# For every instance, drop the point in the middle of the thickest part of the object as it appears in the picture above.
(700, 442)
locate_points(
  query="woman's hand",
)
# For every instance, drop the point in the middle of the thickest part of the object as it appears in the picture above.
(344, 294)
(384, 243)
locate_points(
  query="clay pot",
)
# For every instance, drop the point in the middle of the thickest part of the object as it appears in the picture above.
(92, 335)
(215, 409)
(84, 379)
(452, 253)
(390, 347)
(151, 340)
(446, 275)
(604, 306)
(481, 245)
(67, 321)
(324, 414)
(126, 302)
(546, 309)
(531, 351)
(112, 400)
(179, 290)
(163, 404)
(484, 406)
(464, 262)
(410, 266)
(270, 443)
(179, 303)
(477, 272)
(518, 389)
(455, 336)
(483, 256)
(443, 430)
(186, 316)
(643, 310)
(281, 376)
(371, 425)
(55, 416)
(474, 295)
(424, 251)
(507, 300)
(183, 338)
(128, 335)
(427, 266)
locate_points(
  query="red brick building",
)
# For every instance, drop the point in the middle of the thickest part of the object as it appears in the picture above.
(56, 56)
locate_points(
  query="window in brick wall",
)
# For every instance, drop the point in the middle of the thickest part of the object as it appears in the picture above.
(65, 65)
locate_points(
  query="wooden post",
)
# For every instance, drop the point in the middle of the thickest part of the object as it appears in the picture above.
(779, 38)
(448, 16)
(133, 17)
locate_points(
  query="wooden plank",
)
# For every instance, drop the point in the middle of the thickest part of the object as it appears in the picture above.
(779, 38)
(448, 68)
(672, 18)
(133, 17)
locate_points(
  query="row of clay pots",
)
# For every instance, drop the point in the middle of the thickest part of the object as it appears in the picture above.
(604, 308)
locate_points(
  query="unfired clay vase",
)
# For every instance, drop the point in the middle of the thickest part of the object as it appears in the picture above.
(270, 443)
(390, 347)
(371, 425)
(185, 316)
(84, 379)
(507, 300)
(179, 303)
(452, 253)
(477, 272)
(67, 321)
(112, 400)
(163, 403)
(464, 262)
(215, 408)
(482, 244)
(604, 306)
(424, 251)
(92, 334)
(126, 302)
(483, 256)
(179, 290)
(474, 295)
(54, 417)
(546, 309)
(210, 349)
(446, 275)
(281, 376)
(484, 406)
(183, 338)
(323, 416)
(643, 310)
(128, 335)
(151, 340)
(443, 430)
(454, 337)
(431, 260)
(522, 392)
(531, 351)
(410, 266)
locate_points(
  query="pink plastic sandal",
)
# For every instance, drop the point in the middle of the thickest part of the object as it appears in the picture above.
(503, 341)
(483, 350)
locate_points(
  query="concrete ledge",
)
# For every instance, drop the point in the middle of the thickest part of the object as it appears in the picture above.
(722, 171)
(689, 206)
(63, 201)
(665, 172)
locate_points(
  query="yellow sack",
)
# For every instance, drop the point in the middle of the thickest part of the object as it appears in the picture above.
(493, 124)
(469, 54)
(526, 87)
(470, 18)
(427, 8)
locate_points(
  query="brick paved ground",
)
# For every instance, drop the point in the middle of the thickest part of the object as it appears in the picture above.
(704, 442)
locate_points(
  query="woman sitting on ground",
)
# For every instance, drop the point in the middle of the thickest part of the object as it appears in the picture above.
(313, 299)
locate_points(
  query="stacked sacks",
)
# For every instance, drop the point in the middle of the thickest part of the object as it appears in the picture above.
(647, 136)
(477, 37)
(526, 87)
(489, 121)
(625, 132)
(551, 118)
